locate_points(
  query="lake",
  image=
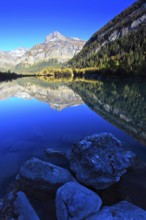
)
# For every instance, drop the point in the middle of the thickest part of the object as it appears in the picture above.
(37, 114)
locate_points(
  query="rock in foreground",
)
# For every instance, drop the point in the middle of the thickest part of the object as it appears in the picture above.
(39, 175)
(23, 208)
(17, 206)
(121, 211)
(76, 202)
(99, 160)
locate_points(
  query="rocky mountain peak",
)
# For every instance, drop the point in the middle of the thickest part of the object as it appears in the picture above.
(55, 36)
(56, 48)
(19, 52)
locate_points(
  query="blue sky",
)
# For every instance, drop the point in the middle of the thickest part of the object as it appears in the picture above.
(24, 23)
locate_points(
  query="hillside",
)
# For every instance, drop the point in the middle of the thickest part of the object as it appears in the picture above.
(119, 44)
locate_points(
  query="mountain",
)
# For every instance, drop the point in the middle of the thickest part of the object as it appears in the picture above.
(119, 44)
(55, 50)
(8, 59)
(16, 54)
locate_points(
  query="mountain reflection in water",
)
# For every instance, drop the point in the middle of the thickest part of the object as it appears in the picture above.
(36, 114)
(121, 103)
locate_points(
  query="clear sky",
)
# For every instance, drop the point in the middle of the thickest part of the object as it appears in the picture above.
(24, 23)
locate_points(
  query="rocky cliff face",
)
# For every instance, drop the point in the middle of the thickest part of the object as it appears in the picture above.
(56, 49)
(122, 36)
(8, 59)
(128, 21)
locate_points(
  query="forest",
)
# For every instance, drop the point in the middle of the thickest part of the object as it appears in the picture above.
(127, 54)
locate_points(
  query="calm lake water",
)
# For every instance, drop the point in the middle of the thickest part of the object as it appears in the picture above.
(36, 114)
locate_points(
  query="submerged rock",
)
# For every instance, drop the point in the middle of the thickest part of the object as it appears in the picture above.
(76, 202)
(54, 153)
(99, 160)
(57, 157)
(23, 208)
(132, 186)
(1, 205)
(121, 211)
(39, 175)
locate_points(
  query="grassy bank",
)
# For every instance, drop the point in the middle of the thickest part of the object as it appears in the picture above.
(92, 72)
